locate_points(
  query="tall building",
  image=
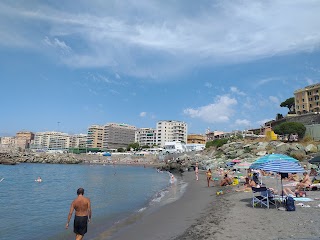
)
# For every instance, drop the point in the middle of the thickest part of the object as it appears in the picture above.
(196, 138)
(118, 135)
(307, 99)
(145, 136)
(24, 135)
(95, 137)
(170, 131)
(78, 141)
(51, 141)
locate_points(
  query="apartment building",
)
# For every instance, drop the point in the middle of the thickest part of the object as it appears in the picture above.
(51, 141)
(78, 141)
(95, 136)
(214, 135)
(307, 99)
(196, 138)
(117, 135)
(170, 131)
(146, 136)
(24, 138)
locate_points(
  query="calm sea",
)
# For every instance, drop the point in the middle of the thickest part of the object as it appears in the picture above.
(119, 195)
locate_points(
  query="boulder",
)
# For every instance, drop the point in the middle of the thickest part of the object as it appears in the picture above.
(283, 148)
(261, 153)
(311, 148)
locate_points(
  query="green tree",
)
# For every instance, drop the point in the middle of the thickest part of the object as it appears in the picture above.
(217, 143)
(120, 150)
(289, 128)
(289, 103)
(135, 146)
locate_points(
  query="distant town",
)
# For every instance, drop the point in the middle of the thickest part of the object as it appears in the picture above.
(168, 135)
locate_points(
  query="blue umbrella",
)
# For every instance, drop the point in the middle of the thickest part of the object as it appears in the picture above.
(271, 158)
(281, 166)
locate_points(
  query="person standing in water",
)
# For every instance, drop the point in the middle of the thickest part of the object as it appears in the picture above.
(82, 207)
(197, 171)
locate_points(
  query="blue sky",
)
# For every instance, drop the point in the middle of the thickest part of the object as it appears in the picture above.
(223, 65)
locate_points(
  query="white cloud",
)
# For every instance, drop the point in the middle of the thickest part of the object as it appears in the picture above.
(243, 122)
(169, 34)
(309, 81)
(219, 111)
(237, 91)
(143, 114)
(208, 85)
(274, 99)
(56, 43)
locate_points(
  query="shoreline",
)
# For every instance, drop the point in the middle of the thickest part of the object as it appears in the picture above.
(174, 218)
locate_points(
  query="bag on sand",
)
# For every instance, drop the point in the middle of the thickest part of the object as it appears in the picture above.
(289, 204)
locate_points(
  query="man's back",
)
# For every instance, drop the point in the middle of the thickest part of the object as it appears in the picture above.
(81, 205)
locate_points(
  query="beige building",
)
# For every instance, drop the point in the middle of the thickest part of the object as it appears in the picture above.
(95, 136)
(307, 99)
(170, 131)
(117, 135)
(51, 141)
(145, 136)
(24, 138)
(196, 138)
(78, 141)
(214, 135)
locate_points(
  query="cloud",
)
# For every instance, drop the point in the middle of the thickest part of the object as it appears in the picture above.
(274, 99)
(208, 85)
(243, 122)
(143, 114)
(56, 43)
(110, 34)
(263, 121)
(237, 91)
(309, 81)
(219, 111)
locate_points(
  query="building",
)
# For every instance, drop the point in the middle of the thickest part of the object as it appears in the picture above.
(78, 141)
(146, 136)
(95, 137)
(214, 135)
(118, 135)
(170, 131)
(51, 141)
(24, 136)
(307, 99)
(196, 138)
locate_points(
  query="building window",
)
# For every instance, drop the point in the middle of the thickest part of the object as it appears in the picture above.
(303, 106)
(310, 105)
(302, 99)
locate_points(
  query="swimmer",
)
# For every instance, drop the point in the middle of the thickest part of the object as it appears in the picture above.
(38, 179)
(172, 179)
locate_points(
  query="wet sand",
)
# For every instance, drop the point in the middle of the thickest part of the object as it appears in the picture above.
(201, 214)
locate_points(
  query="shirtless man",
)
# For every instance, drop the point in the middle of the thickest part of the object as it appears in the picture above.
(306, 181)
(82, 207)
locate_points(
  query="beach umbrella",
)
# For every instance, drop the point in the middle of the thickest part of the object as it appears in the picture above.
(271, 158)
(236, 161)
(315, 160)
(282, 166)
(243, 165)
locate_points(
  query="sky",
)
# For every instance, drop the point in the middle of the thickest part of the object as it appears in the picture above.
(217, 65)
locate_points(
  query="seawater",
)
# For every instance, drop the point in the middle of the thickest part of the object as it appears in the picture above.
(118, 194)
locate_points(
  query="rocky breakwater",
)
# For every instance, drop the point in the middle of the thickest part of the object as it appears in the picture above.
(14, 158)
(243, 150)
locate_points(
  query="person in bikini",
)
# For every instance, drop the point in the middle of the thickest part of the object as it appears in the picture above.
(82, 207)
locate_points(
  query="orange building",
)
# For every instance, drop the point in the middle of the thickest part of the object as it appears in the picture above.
(196, 138)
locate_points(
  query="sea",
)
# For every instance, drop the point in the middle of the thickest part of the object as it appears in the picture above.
(120, 195)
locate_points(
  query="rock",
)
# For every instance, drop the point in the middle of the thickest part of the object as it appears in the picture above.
(283, 148)
(261, 153)
(311, 148)
(262, 145)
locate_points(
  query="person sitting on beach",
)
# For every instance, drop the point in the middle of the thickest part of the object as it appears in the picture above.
(313, 172)
(226, 180)
(293, 177)
(305, 182)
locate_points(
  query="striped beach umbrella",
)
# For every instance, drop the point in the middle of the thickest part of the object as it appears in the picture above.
(271, 158)
(282, 166)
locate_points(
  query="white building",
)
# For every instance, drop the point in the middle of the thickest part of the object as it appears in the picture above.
(78, 141)
(51, 141)
(145, 136)
(170, 131)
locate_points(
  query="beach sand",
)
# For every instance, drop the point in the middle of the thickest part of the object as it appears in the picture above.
(201, 214)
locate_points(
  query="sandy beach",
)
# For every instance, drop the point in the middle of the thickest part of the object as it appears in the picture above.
(201, 214)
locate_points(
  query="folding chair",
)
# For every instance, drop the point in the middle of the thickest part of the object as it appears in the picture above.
(260, 195)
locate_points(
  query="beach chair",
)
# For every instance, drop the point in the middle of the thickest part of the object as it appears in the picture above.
(260, 196)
